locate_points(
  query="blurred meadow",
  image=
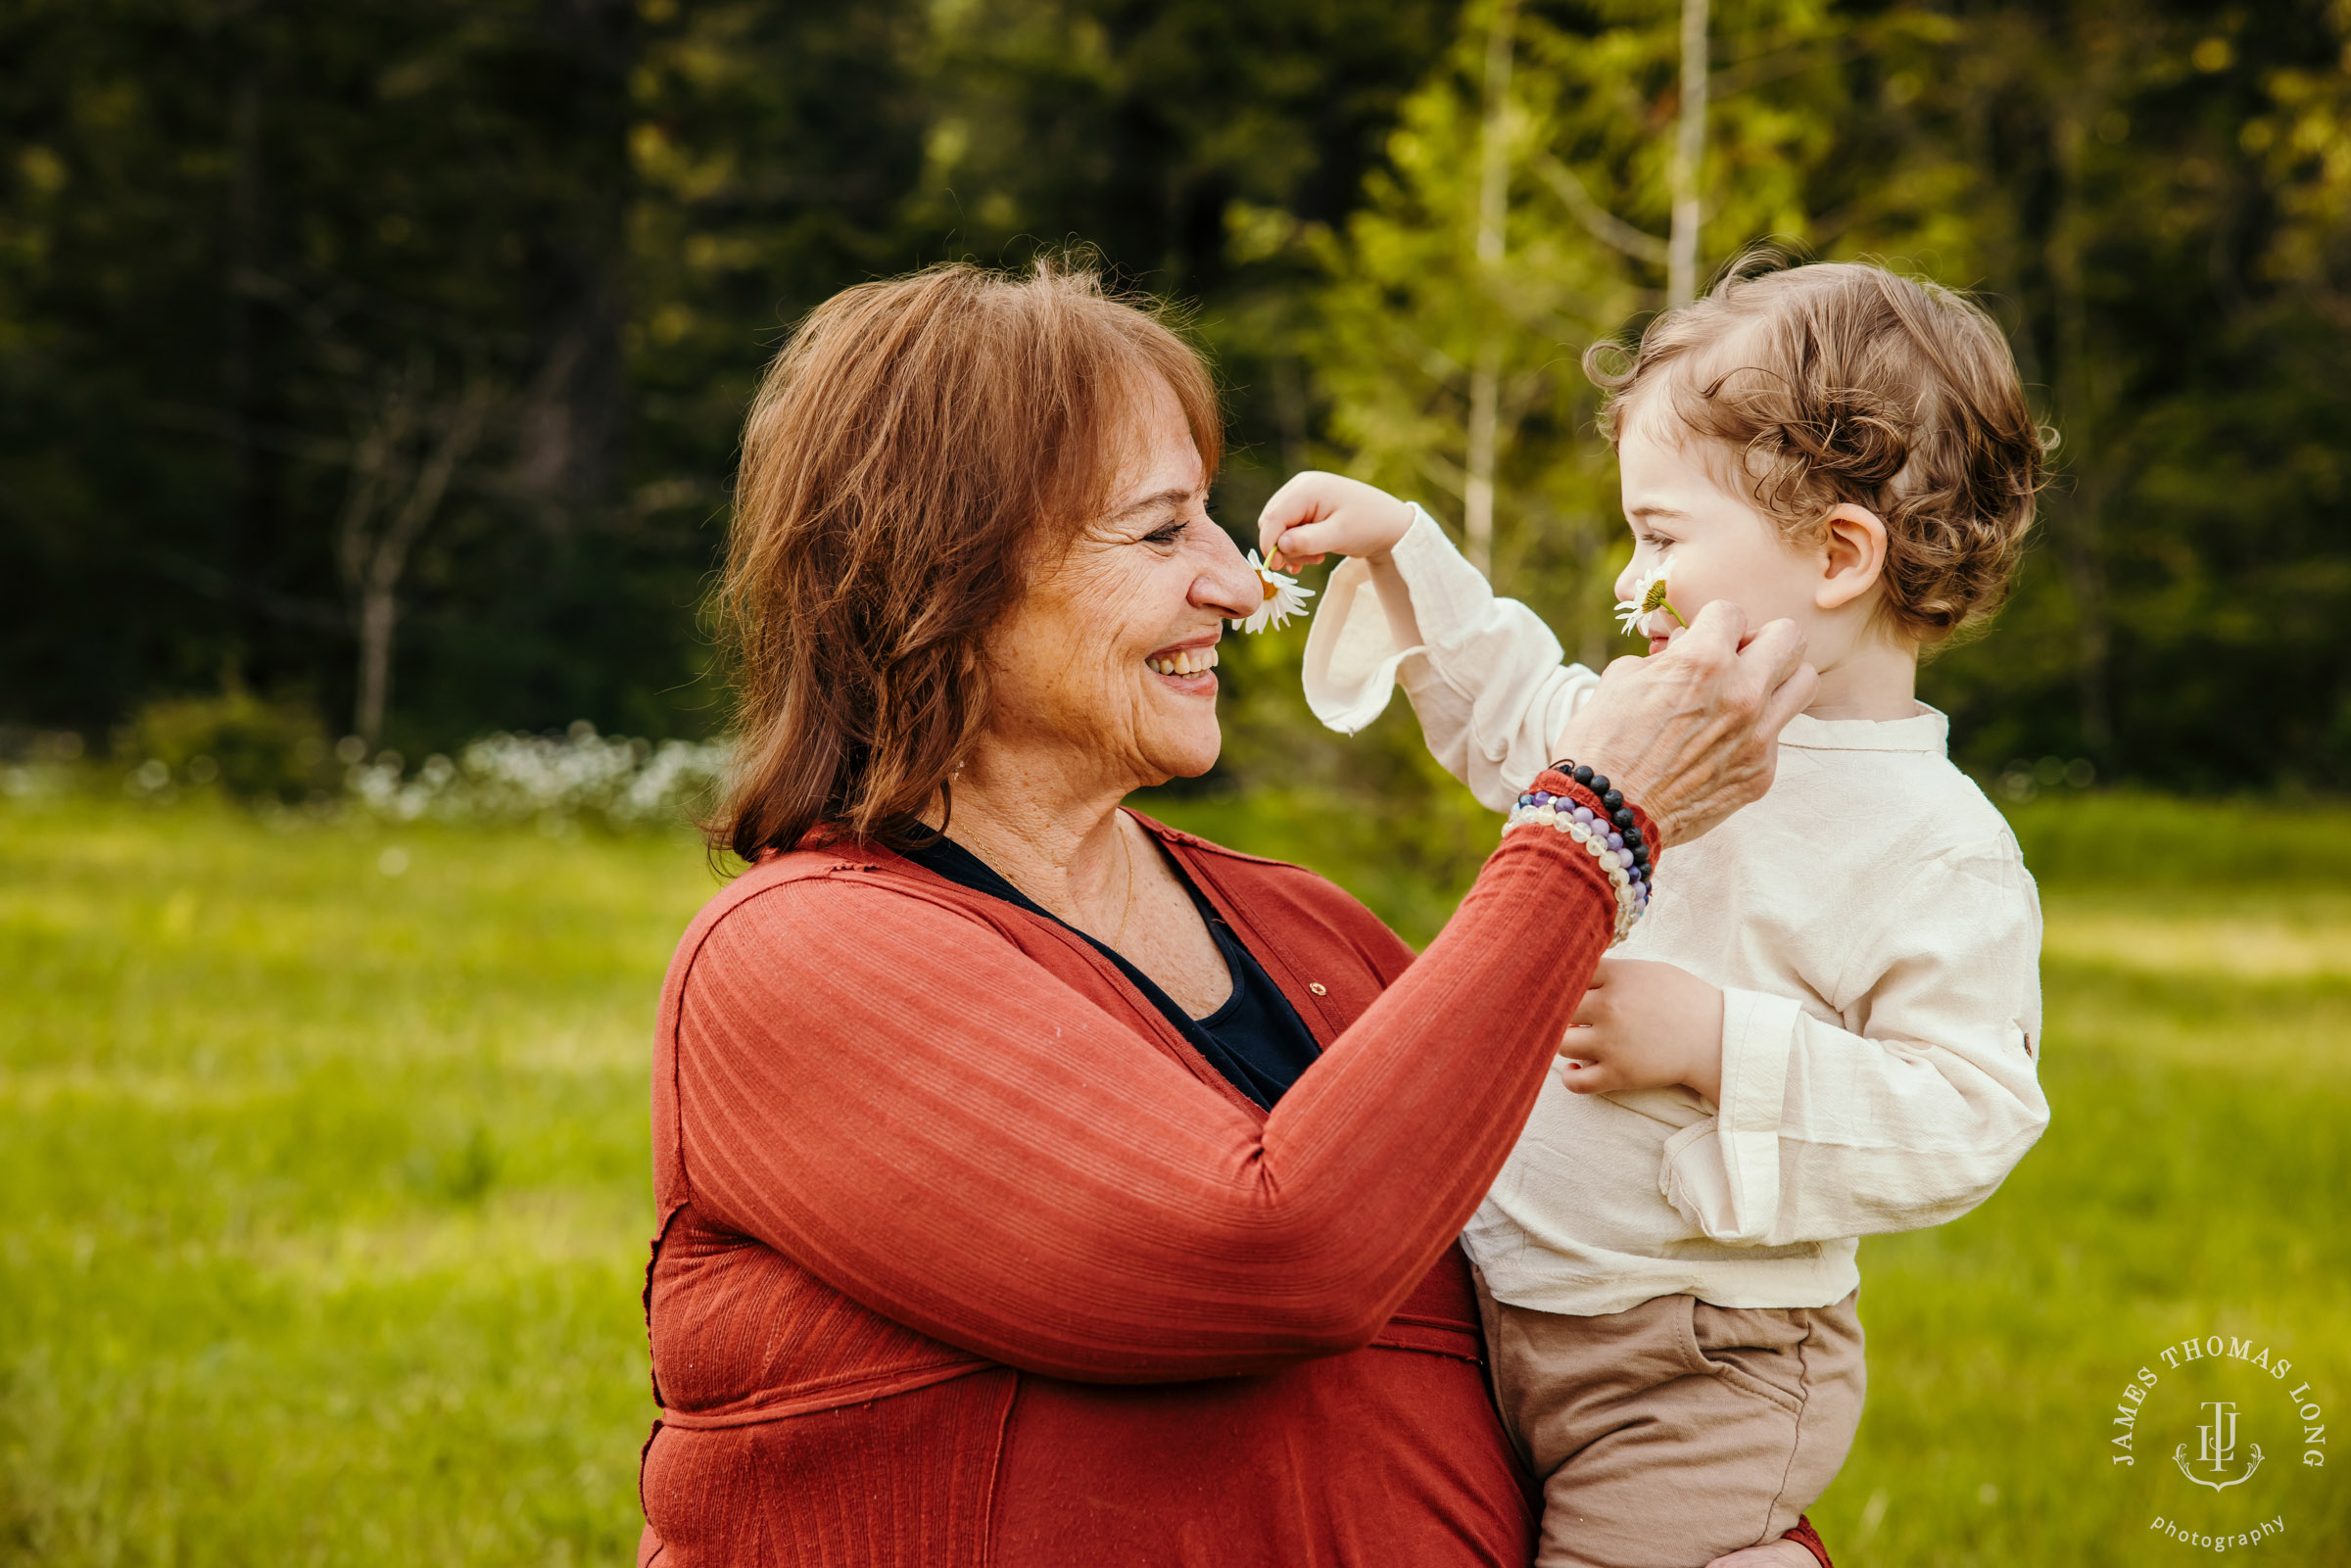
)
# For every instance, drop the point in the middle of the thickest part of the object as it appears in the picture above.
(326, 1152)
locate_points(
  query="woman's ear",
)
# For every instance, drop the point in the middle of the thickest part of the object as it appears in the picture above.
(1854, 555)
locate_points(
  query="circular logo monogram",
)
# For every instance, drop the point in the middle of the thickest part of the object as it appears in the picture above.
(2218, 1439)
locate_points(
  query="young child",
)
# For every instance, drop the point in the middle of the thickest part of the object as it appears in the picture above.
(1825, 1025)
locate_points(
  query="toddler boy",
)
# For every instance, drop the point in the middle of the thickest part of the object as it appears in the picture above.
(1825, 1026)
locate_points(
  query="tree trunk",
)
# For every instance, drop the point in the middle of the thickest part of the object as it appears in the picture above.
(379, 610)
(2082, 550)
(241, 259)
(1689, 153)
(1493, 214)
(569, 431)
(403, 457)
(1477, 489)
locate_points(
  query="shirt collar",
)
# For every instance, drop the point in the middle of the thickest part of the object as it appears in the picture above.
(1927, 730)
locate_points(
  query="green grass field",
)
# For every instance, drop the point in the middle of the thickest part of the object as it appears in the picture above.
(326, 1188)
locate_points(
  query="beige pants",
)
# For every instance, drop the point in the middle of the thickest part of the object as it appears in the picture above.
(1673, 1433)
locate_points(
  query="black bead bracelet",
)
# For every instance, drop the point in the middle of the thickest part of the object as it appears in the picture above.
(1599, 818)
(1619, 810)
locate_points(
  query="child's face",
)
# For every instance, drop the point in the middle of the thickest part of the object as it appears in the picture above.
(1677, 504)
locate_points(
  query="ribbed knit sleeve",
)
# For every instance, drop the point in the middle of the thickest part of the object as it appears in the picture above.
(888, 1091)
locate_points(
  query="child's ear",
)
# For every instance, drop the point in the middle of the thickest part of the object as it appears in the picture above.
(1854, 555)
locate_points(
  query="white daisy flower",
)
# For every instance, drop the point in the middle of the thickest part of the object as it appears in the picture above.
(1648, 596)
(1283, 598)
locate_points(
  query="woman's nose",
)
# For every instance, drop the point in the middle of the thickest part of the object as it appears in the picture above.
(1226, 583)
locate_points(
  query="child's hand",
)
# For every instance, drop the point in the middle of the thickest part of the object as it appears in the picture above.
(1645, 1026)
(1318, 514)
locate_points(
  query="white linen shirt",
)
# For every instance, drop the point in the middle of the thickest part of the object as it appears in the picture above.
(1872, 927)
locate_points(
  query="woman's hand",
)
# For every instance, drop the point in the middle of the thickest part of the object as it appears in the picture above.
(1645, 1026)
(1692, 733)
(1316, 514)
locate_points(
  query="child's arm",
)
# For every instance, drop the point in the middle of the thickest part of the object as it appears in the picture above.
(1822, 1132)
(1484, 674)
(1318, 514)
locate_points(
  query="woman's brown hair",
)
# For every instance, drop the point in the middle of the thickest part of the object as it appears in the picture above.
(1840, 382)
(916, 449)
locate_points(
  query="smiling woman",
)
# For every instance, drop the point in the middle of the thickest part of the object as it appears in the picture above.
(917, 450)
(1038, 1184)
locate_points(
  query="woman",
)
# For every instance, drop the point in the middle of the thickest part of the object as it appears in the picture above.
(1038, 1184)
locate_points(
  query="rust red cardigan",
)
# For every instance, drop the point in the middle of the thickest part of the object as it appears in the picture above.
(965, 1256)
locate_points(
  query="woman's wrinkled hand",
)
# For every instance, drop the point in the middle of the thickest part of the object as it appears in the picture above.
(1692, 733)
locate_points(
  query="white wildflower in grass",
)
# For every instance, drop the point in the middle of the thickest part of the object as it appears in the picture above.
(1648, 596)
(550, 779)
(1282, 598)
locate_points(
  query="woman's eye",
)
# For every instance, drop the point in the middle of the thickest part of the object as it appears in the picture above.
(1165, 533)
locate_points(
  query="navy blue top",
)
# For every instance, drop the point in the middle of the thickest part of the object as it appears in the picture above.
(1257, 1041)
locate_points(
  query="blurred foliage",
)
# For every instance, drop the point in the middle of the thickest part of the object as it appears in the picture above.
(2120, 839)
(2155, 198)
(273, 758)
(243, 237)
(254, 750)
(1413, 314)
(263, 266)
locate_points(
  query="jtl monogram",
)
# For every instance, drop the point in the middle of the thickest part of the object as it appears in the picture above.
(2217, 1448)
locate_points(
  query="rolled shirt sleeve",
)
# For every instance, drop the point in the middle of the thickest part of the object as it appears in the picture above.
(1910, 1119)
(1487, 679)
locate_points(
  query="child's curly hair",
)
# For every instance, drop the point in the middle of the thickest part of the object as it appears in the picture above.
(1839, 382)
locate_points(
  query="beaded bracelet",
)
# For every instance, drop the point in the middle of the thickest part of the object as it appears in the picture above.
(1611, 836)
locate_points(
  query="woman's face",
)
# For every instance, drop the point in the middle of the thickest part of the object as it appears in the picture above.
(1108, 657)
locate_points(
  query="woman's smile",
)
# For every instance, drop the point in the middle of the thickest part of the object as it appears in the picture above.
(1186, 666)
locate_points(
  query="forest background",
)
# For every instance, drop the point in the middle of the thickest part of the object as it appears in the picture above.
(382, 364)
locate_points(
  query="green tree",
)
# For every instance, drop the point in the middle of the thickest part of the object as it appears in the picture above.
(1543, 189)
(2151, 197)
(238, 231)
(233, 230)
